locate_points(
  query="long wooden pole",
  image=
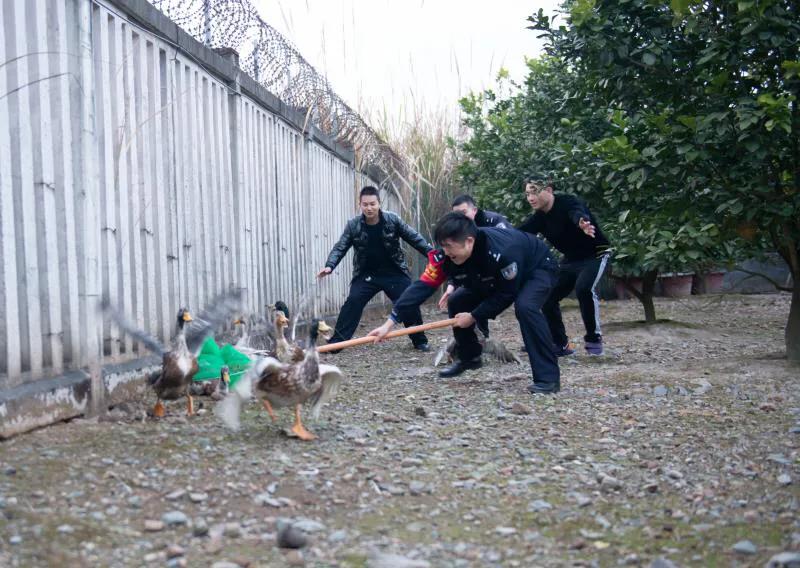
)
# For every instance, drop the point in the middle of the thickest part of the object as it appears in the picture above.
(396, 333)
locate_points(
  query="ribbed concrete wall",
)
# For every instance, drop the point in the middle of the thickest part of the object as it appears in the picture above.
(137, 164)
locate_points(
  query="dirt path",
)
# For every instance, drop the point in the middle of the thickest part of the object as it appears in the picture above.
(681, 443)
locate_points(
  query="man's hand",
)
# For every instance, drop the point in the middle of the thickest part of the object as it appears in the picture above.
(464, 320)
(445, 296)
(586, 227)
(324, 272)
(379, 333)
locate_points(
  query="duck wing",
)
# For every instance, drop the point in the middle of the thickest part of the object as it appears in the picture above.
(230, 408)
(448, 351)
(218, 312)
(297, 354)
(331, 377)
(128, 327)
(496, 349)
(262, 342)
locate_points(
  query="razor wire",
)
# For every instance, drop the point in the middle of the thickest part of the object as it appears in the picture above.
(272, 61)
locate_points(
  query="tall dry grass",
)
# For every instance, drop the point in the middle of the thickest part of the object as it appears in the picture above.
(425, 138)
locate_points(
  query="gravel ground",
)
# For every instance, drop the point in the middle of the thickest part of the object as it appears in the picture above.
(677, 447)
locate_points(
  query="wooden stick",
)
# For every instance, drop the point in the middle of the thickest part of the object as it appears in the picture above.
(396, 333)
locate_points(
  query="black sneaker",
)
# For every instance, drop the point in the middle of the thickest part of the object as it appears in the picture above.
(424, 347)
(565, 351)
(545, 388)
(459, 367)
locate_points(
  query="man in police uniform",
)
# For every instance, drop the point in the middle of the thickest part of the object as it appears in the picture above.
(493, 268)
(466, 204)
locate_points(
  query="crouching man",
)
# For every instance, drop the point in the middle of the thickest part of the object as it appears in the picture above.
(493, 268)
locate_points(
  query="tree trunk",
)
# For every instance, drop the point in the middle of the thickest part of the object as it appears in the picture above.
(790, 252)
(648, 287)
(793, 325)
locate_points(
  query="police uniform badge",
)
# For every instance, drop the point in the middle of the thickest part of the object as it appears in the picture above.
(510, 271)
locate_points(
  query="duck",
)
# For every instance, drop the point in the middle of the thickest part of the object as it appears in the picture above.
(179, 363)
(280, 385)
(223, 384)
(491, 348)
(257, 335)
(281, 306)
(285, 351)
(215, 388)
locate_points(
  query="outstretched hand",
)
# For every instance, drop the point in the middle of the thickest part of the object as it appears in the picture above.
(586, 227)
(324, 272)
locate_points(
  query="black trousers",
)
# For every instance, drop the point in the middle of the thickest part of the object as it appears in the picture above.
(583, 276)
(532, 325)
(362, 290)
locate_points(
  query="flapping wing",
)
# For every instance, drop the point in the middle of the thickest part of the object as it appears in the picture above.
(331, 377)
(448, 351)
(219, 311)
(496, 349)
(122, 322)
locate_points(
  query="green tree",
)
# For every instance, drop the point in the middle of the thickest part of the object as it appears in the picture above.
(559, 124)
(709, 91)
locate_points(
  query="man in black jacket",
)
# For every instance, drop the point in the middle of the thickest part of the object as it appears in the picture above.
(379, 264)
(493, 268)
(568, 225)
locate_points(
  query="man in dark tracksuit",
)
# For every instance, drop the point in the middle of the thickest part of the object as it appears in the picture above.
(379, 264)
(493, 268)
(568, 225)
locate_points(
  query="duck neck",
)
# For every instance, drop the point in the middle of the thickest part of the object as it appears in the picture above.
(282, 336)
(181, 348)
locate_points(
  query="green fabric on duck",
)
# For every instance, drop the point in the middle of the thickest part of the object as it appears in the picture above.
(212, 358)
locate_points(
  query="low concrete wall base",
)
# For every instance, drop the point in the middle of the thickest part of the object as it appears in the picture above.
(48, 401)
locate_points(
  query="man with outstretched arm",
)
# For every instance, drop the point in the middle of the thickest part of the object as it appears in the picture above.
(493, 268)
(378, 264)
(568, 225)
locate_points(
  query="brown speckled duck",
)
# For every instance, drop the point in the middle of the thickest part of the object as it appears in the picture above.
(280, 385)
(179, 363)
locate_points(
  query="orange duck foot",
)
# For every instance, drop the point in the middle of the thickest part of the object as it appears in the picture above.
(298, 429)
(268, 408)
(158, 410)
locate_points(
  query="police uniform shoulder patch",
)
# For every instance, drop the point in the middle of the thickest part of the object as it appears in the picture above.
(434, 272)
(510, 271)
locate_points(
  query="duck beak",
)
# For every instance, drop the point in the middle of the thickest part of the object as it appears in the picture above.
(325, 330)
(187, 316)
(238, 321)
